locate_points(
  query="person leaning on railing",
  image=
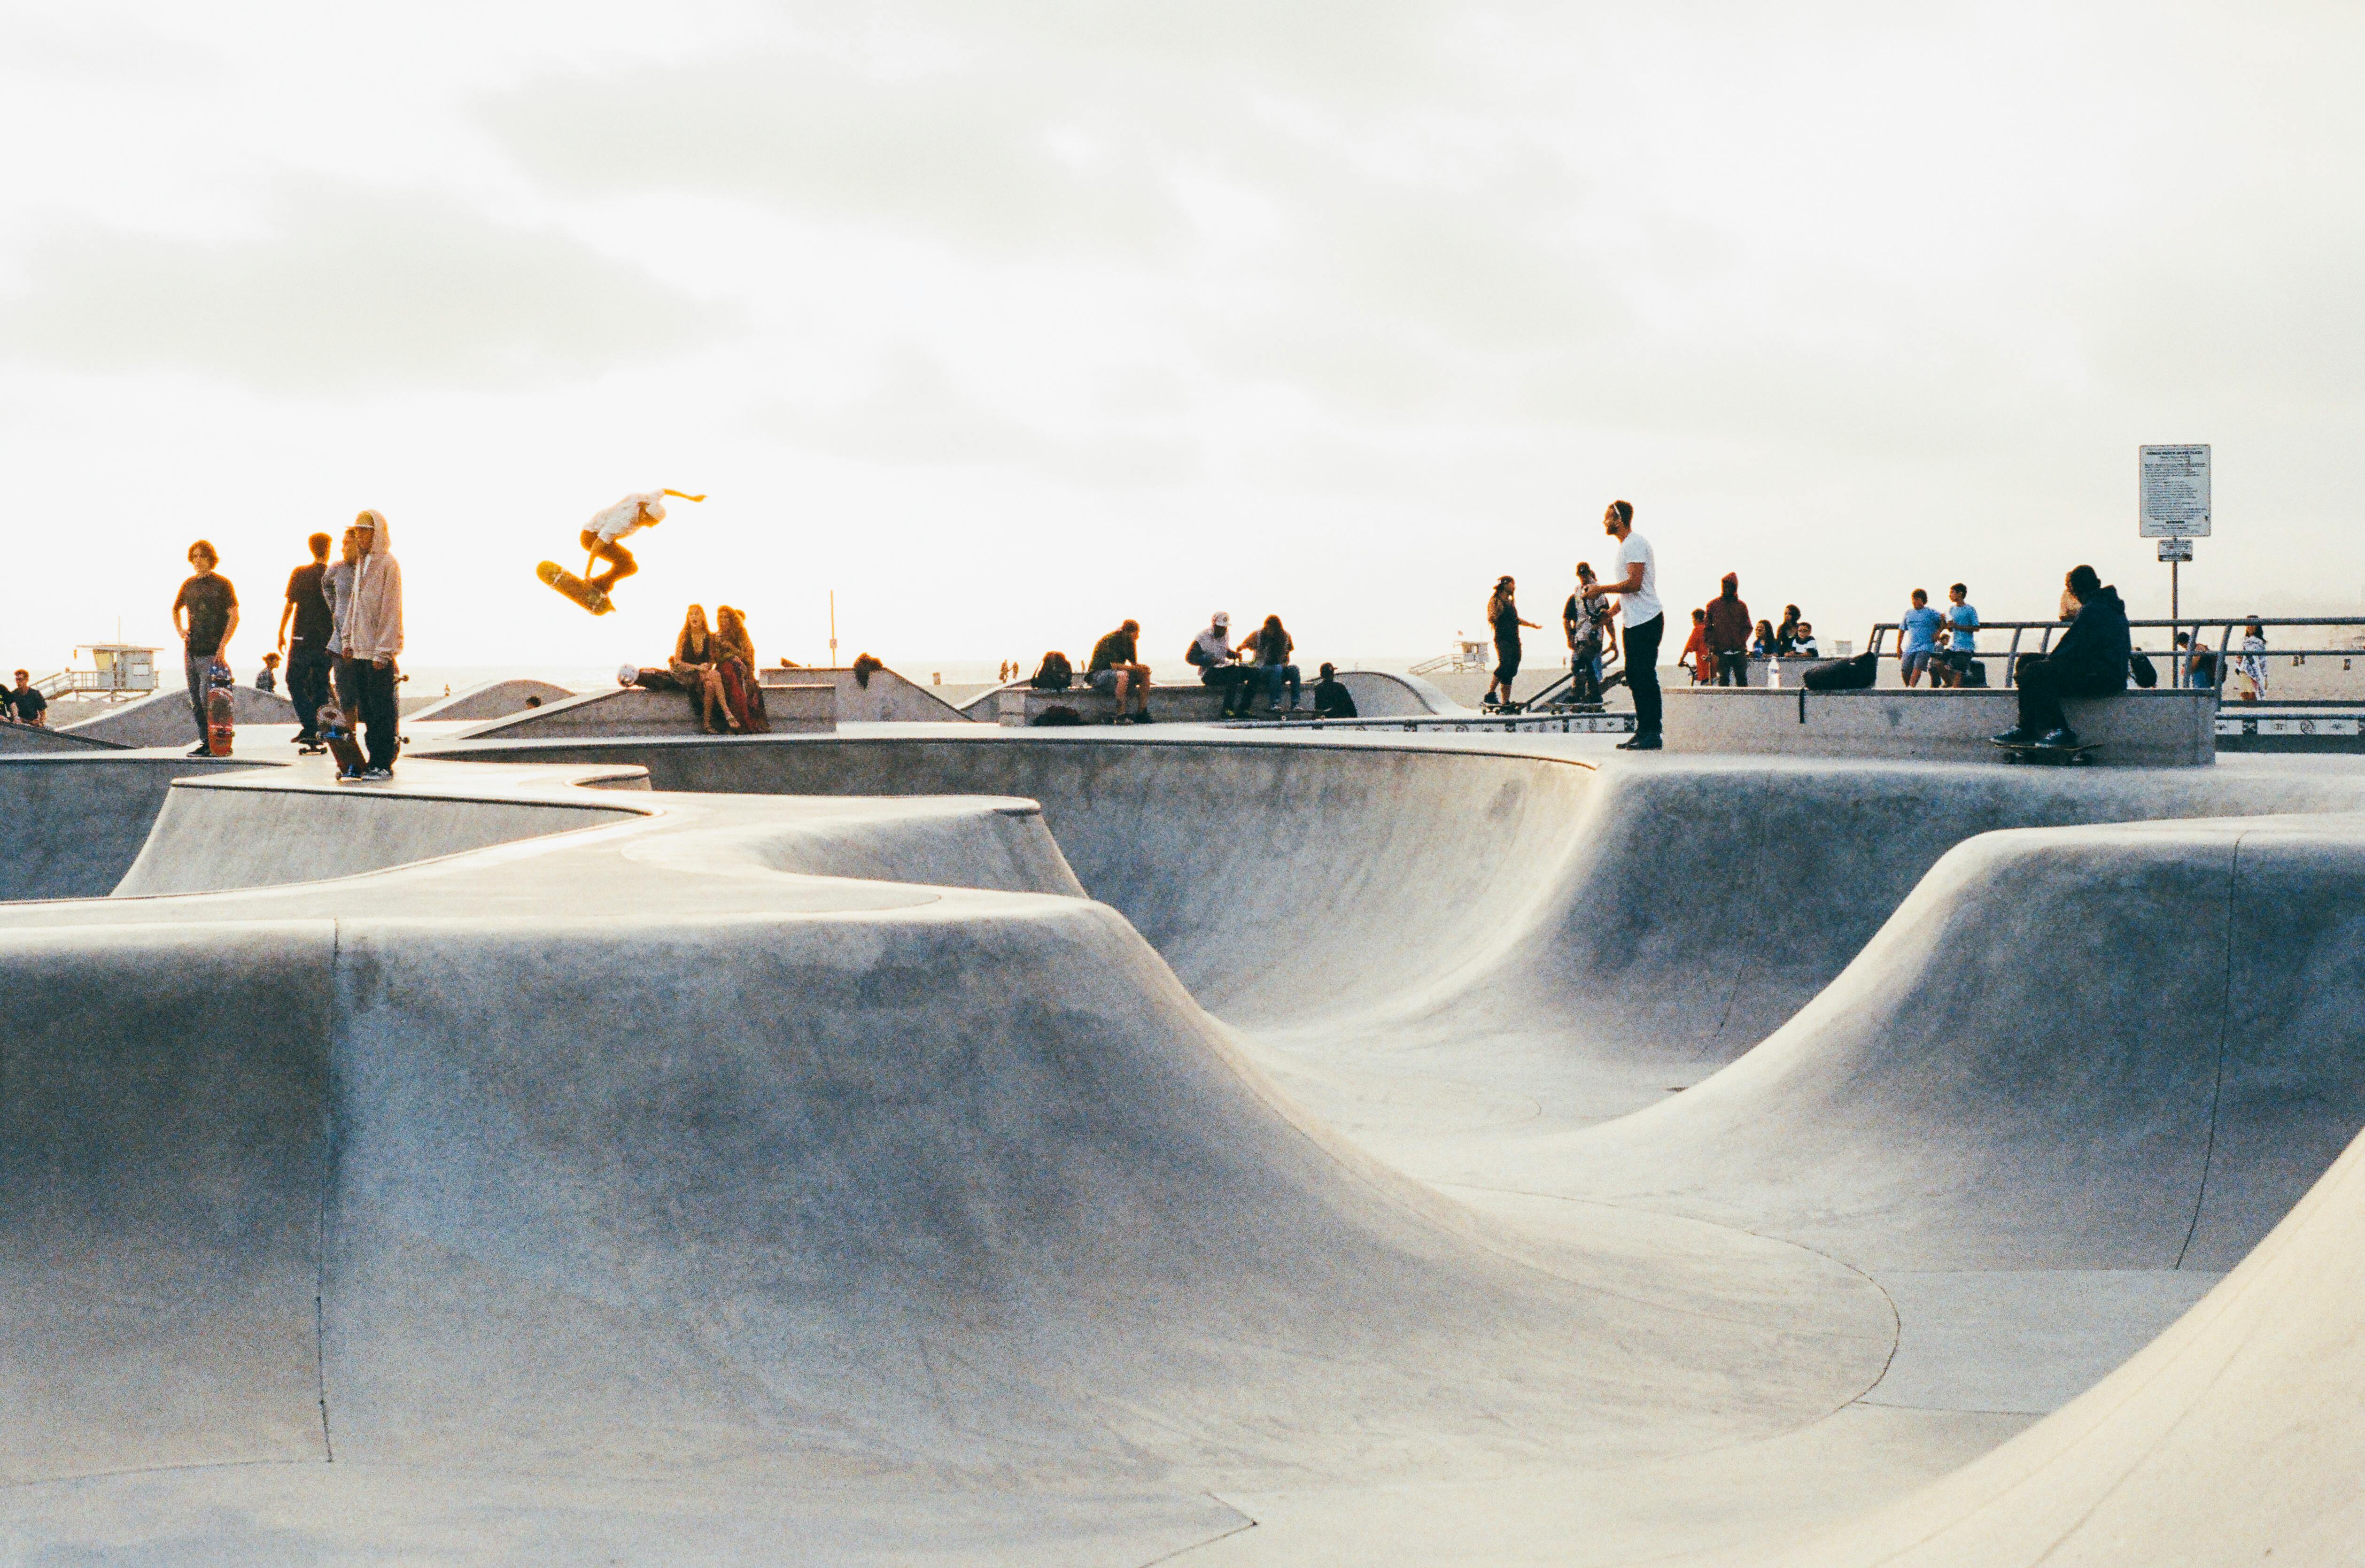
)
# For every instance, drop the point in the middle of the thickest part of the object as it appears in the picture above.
(2091, 660)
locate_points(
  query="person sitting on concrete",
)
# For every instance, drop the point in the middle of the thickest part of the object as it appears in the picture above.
(1269, 649)
(1696, 654)
(205, 613)
(1592, 635)
(1502, 615)
(1331, 698)
(1761, 646)
(692, 666)
(1803, 644)
(267, 678)
(1952, 666)
(2091, 660)
(1116, 670)
(1212, 654)
(734, 668)
(1918, 638)
(22, 704)
(1786, 636)
(1728, 633)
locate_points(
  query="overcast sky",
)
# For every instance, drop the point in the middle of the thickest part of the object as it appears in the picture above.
(1007, 320)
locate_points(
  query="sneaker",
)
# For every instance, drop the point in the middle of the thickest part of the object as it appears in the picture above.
(349, 776)
(2064, 737)
(1143, 718)
(1639, 742)
(2019, 734)
(373, 774)
(202, 749)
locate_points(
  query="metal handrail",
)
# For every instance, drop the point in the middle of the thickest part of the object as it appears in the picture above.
(2012, 655)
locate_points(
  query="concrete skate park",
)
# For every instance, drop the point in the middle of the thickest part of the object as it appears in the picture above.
(944, 1143)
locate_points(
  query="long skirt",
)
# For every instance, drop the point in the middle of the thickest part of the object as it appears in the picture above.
(744, 696)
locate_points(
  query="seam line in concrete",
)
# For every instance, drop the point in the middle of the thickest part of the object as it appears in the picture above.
(2224, 1030)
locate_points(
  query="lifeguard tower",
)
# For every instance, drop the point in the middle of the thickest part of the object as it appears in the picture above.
(118, 673)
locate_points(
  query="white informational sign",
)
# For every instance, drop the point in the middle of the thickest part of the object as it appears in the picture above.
(2174, 492)
(2176, 550)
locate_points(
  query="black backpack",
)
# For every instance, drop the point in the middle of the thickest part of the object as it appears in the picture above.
(1843, 675)
(2140, 666)
(1057, 716)
(1053, 673)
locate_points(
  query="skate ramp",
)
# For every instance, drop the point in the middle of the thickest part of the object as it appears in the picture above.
(885, 698)
(2098, 1048)
(76, 822)
(162, 718)
(40, 740)
(298, 824)
(2231, 1439)
(919, 1193)
(489, 700)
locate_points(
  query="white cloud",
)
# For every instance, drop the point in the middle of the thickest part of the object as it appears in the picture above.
(347, 290)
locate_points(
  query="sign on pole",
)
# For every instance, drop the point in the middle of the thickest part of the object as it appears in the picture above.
(2174, 492)
(2174, 550)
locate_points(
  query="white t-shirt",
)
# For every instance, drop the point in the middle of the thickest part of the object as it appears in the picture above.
(1635, 608)
(624, 517)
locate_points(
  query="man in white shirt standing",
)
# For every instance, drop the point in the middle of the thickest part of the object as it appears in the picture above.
(1634, 578)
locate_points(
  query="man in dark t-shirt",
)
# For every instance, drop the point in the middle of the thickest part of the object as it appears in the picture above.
(1117, 670)
(206, 615)
(307, 640)
(22, 701)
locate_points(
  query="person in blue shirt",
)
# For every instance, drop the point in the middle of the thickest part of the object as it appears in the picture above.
(1953, 667)
(1919, 627)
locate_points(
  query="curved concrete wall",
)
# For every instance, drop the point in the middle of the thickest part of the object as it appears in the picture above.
(163, 717)
(75, 824)
(489, 700)
(207, 839)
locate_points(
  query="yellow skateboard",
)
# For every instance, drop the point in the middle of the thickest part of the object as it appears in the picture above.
(574, 587)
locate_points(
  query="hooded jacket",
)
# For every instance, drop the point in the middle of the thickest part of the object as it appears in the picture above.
(373, 623)
(1728, 618)
(2097, 643)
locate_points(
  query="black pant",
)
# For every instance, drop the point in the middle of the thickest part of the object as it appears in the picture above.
(1642, 672)
(2043, 684)
(1507, 664)
(1732, 666)
(376, 687)
(308, 684)
(1233, 681)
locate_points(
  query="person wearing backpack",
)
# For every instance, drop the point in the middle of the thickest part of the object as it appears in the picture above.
(1053, 673)
(1212, 654)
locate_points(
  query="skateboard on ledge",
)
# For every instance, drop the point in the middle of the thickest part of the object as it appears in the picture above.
(2046, 756)
(574, 587)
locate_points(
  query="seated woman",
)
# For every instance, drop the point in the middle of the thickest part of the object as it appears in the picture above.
(694, 663)
(1763, 646)
(735, 670)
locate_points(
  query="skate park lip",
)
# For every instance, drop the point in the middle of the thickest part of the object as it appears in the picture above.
(1405, 1043)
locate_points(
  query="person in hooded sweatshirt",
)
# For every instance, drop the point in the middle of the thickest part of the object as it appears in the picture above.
(373, 638)
(2091, 660)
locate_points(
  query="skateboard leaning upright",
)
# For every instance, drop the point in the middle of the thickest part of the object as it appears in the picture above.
(337, 734)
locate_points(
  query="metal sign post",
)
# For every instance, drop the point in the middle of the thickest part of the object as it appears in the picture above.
(2172, 506)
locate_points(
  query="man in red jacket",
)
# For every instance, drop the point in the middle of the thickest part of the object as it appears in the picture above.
(1728, 633)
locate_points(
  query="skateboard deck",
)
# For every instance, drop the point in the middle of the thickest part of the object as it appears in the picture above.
(574, 587)
(2046, 756)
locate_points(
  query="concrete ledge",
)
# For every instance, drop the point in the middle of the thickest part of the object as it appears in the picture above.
(629, 710)
(1020, 705)
(2139, 729)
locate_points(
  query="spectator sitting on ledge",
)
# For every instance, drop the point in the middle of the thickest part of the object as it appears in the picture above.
(2091, 660)
(1116, 670)
(23, 703)
(1331, 698)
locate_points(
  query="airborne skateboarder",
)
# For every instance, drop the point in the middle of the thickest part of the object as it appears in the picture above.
(604, 541)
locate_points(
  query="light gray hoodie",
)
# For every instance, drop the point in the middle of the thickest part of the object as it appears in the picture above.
(373, 621)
